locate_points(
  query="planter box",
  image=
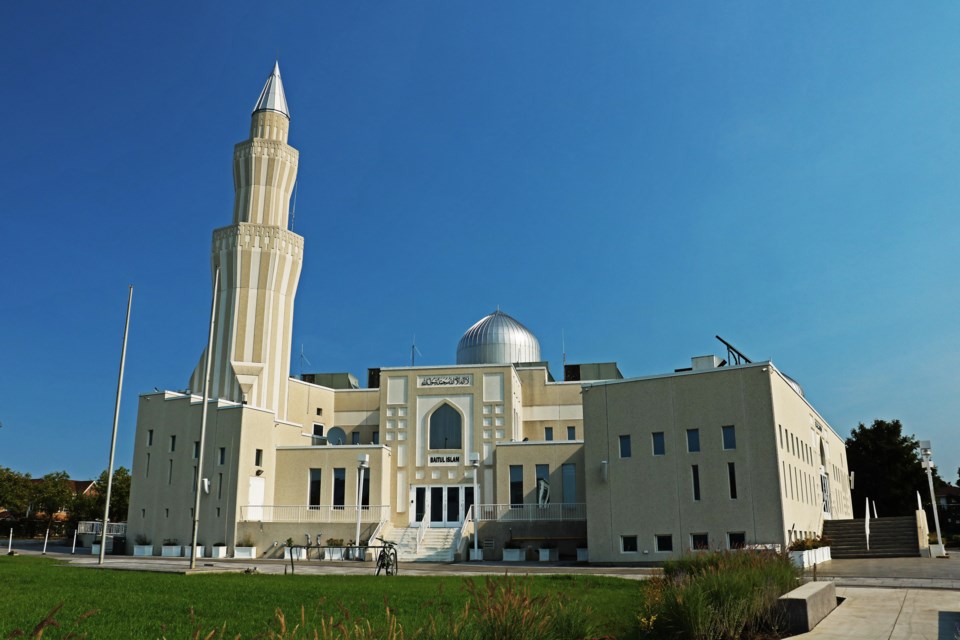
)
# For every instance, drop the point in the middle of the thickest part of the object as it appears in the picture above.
(476, 554)
(143, 549)
(582, 555)
(171, 551)
(298, 553)
(218, 552)
(549, 555)
(333, 553)
(198, 551)
(806, 559)
(513, 555)
(247, 553)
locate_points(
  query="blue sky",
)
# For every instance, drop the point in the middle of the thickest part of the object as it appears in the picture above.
(638, 177)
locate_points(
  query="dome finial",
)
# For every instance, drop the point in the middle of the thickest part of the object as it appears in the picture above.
(272, 98)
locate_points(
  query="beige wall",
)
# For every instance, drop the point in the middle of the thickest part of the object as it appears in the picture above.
(646, 495)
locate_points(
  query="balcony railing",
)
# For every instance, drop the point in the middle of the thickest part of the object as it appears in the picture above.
(313, 513)
(113, 528)
(531, 512)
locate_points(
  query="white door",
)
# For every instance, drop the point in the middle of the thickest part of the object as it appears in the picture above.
(255, 499)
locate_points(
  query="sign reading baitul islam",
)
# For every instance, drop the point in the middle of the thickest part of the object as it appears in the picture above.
(445, 381)
(444, 460)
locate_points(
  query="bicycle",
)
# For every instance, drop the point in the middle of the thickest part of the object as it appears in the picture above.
(387, 560)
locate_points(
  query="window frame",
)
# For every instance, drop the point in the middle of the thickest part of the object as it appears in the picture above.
(661, 437)
(656, 542)
(635, 543)
(695, 432)
(626, 449)
(732, 431)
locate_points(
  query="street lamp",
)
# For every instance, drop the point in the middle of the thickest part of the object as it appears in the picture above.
(927, 452)
(475, 463)
(363, 462)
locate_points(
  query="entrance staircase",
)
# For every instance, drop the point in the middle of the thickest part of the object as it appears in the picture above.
(437, 545)
(889, 538)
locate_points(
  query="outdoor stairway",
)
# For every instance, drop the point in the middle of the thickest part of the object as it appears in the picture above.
(889, 538)
(437, 545)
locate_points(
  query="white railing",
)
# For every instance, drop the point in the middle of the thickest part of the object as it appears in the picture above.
(424, 525)
(531, 512)
(92, 526)
(467, 527)
(866, 522)
(316, 513)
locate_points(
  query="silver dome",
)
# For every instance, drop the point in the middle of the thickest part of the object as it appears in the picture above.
(498, 339)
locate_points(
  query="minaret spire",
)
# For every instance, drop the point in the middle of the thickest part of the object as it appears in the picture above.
(260, 261)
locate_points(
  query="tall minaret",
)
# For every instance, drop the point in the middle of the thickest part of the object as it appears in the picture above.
(260, 261)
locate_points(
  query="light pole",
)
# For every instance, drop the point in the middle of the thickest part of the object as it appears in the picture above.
(363, 462)
(927, 452)
(475, 463)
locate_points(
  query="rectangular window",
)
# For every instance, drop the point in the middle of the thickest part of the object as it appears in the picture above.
(516, 485)
(219, 486)
(173, 443)
(147, 473)
(196, 449)
(170, 472)
(166, 513)
(729, 437)
(693, 440)
(732, 476)
(143, 513)
(222, 455)
(543, 473)
(780, 427)
(365, 490)
(568, 474)
(624, 446)
(736, 540)
(543, 484)
(149, 437)
(571, 433)
(355, 437)
(339, 487)
(659, 444)
(375, 437)
(548, 433)
(696, 481)
(317, 434)
(258, 458)
(313, 499)
(218, 512)
(664, 543)
(319, 411)
(699, 541)
(193, 485)
(628, 544)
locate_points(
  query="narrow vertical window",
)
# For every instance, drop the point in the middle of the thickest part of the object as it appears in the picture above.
(222, 455)
(365, 490)
(568, 474)
(355, 437)
(548, 433)
(695, 473)
(624, 446)
(543, 484)
(147, 471)
(219, 486)
(149, 437)
(196, 449)
(170, 472)
(314, 489)
(693, 440)
(729, 437)
(659, 444)
(193, 485)
(375, 437)
(571, 433)
(516, 485)
(258, 458)
(173, 443)
(339, 487)
(732, 475)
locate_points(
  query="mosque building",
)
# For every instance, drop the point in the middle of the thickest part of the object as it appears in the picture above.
(490, 453)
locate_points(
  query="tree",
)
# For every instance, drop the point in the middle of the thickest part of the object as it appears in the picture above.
(15, 492)
(53, 495)
(119, 494)
(887, 468)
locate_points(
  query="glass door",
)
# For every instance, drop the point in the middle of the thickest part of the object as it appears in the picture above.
(445, 505)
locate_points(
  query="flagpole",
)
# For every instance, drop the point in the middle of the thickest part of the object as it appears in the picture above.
(116, 420)
(203, 419)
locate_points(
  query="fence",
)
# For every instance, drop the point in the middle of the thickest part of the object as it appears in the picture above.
(312, 513)
(531, 512)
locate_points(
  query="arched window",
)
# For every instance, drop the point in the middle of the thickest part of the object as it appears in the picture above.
(446, 428)
(336, 436)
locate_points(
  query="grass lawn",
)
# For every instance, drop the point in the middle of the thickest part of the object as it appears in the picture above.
(153, 605)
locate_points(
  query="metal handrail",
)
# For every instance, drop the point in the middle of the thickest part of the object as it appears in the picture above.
(424, 525)
(96, 527)
(866, 522)
(467, 523)
(531, 512)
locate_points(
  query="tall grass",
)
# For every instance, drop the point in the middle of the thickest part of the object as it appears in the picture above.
(717, 596)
